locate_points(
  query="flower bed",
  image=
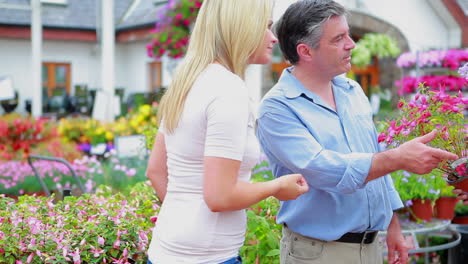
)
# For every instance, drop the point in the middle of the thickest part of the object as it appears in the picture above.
(99, 228)
(88, 132)
(112, 228)
(17, 177)
(21, 136)
(409, 84)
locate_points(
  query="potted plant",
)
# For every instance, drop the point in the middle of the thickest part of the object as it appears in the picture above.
(419, 192)
(445, 205)
(461, 214)
(429, 110)
(373, 45)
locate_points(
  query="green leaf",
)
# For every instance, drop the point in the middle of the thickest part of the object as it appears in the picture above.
(273, 252)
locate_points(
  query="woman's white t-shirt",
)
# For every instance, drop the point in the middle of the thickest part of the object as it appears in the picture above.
(217, 121)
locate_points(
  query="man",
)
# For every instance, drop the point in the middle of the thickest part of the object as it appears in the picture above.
(318, 123)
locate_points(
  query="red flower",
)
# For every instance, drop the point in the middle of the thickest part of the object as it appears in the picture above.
(462, 170)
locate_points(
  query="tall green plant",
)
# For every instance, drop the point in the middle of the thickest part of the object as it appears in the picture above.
(373, 44)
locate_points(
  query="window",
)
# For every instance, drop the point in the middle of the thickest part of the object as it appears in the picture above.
(155, 73)
(56, 78)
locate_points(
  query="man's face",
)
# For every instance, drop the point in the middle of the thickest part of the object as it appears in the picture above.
(333, 55)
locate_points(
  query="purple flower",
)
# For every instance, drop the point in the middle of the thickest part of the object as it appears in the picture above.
(85, 147)
(463, 71)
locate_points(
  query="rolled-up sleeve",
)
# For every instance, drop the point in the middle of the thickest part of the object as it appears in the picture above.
(284, 138)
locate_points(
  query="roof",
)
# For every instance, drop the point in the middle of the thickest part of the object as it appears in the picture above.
(82, 14)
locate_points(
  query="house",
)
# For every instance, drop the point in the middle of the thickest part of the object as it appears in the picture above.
(71, 50)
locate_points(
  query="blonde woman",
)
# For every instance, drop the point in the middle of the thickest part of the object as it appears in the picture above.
(206, 146)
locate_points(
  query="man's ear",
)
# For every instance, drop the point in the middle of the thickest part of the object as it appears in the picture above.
(304, 52)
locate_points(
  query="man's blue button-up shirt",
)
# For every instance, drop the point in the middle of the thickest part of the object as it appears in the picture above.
(300, 133)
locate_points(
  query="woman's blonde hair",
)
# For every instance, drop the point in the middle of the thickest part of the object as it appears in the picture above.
(225, 31)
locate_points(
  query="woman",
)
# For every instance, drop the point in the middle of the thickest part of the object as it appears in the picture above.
(206, 147)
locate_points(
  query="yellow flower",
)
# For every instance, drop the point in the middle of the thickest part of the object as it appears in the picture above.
(99, 131)
(145, 110)
(109, 135)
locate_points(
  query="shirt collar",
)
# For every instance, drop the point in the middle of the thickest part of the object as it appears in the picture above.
(293, 88)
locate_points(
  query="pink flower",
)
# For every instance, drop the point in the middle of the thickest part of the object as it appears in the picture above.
(381, 138)
(30, 257)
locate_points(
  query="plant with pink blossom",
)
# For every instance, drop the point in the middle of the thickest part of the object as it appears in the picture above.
(18, 178)
(431, 110)
(453, 83)
(463, 71)
(99, 228)
(171, 33)
(433, 58)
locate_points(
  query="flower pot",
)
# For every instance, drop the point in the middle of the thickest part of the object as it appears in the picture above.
(421, 210)
(461, 183)
(460, 220)
(445, 207)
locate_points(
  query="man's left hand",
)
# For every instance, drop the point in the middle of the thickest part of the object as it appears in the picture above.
(461, 195)
(397, 246)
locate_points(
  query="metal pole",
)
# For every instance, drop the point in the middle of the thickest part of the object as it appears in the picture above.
(107, 59)
(36, 52)
(60, 160)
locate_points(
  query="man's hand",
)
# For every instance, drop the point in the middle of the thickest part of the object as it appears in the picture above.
(415, 156)
(397, 246)
(461, 195)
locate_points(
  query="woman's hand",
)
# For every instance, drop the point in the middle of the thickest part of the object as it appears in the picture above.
(462, 195)
(291, 186)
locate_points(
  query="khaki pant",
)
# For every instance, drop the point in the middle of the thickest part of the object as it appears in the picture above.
(298, 249)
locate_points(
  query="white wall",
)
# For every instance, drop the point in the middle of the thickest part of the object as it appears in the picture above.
(416, 19)
(15, 61)
(84, 59)
(132, 67)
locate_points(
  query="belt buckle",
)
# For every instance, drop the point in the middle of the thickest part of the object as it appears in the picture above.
(368, 236)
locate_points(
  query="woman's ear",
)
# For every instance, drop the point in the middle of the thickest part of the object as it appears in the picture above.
(304, 52)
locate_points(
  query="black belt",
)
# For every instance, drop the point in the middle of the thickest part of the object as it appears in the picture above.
(366, 237)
